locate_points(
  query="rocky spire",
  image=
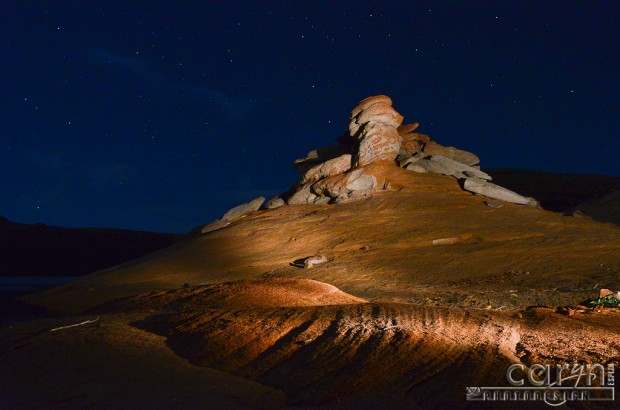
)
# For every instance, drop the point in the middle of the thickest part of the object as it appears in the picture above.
(338, 173)
(347, 172)
(374, 124)
(375, 135)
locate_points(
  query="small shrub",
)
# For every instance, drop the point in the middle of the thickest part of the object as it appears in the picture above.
(608, 301)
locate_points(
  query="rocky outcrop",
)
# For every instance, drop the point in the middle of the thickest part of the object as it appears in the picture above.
(234, 213)
(490, 190)
(352, 169)
(321, 155)
(419, 153)
(442, 165)
(373, 122)
(464, 157)
(274, 203)
(413, 143)
(243, 209)
(340, 173)
(356, 184)
(376, 135)
(328, 168)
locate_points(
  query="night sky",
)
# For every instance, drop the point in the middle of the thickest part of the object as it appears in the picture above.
(160, 116)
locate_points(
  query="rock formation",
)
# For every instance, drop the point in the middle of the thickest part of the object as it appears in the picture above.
(375, 135)
(234, 213)
(311, 261)
(347, 172)
(490, 190)
(374, 124)
(340, 173)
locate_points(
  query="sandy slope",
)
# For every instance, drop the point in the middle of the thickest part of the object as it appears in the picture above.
(390, 321)
(381, 249)
(326, 349)
(111, 365)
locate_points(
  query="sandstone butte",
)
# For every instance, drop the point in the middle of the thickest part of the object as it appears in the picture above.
(427, 289)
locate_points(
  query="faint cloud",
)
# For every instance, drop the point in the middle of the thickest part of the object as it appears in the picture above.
(136, 66)
(235, 108)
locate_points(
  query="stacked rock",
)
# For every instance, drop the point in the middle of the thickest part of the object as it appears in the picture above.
(375, 135)
(374, 124)
(344, 172)
(421, 154)
(338, 173)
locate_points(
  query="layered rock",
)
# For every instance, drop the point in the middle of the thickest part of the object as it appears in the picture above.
(339, 173)
(376, 135)
(347, 172)
(373, 122)
(490, 190)
(442, 165)
(464, 157)
(419, 153)
(328, 168)
(414, 143)
(320, 155)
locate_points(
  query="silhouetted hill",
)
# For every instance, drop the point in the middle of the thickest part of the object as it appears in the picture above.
(597, 196)
(42, 250)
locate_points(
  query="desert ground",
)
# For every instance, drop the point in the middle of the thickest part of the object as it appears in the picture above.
(391, 320)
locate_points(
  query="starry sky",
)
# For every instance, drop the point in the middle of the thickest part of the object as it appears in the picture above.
(161, 115)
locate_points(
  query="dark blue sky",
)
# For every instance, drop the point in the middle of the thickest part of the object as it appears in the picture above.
(162, 115)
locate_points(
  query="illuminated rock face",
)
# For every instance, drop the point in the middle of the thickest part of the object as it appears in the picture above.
(234, 213)
(490, 190)
(374, 124)
(356, 167)
(338, 173)
(376, 135)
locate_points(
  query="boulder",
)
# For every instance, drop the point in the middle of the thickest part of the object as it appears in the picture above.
(378, 146)
(302, 196)
(416, 168)
(406, 160)
(243, 209)
(214, 226)
(354, 184)
(370, 101)
(464, 157)
(382, 114)
(322, 200)
(604, 293)
(441, 165)
(408, 128)
(373, 122)
(485, 188)
(413, 142)
(328, 168)
(275, 202)
(319, 156)
(234, 213)
(311, 261)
